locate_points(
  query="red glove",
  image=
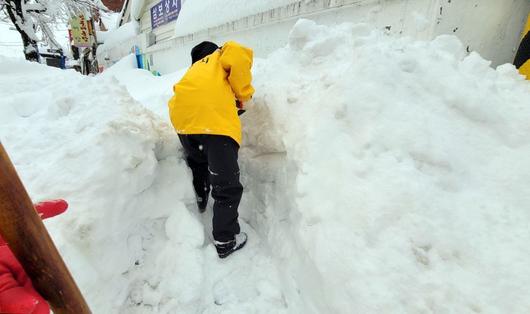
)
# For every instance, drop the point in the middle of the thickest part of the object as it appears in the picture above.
(17, 294)
(48, 209)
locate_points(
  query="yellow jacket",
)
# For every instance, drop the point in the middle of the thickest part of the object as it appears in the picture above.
(204, 100)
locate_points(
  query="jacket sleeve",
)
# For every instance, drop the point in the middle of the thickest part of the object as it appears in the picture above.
(13, 297)
(236, 60)
(17, 294)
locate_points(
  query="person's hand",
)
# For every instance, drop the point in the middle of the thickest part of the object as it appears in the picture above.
(47, 209)
(240, 107)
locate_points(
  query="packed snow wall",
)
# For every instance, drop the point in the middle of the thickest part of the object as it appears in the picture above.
(490, 27)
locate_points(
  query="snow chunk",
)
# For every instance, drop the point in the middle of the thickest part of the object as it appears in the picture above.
(184, 229)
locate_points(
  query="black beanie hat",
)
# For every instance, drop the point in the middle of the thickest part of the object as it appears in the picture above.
(202, 50)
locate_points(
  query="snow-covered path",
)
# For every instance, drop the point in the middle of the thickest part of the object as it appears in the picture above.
(259, 278)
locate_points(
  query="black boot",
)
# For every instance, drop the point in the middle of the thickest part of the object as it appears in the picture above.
(226, 248)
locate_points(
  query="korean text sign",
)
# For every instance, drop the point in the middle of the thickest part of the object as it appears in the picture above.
(164, 12)
(80, 32)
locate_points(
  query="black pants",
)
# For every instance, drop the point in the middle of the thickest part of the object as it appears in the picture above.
(213, 161)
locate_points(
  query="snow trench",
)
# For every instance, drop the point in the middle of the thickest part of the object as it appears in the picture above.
(381, 175)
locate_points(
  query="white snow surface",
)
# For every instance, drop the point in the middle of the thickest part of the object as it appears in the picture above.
(200, 15)
(381, 175)
(110, 20)
(114, 37)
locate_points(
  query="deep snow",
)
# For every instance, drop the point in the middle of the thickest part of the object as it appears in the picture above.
(381, 174)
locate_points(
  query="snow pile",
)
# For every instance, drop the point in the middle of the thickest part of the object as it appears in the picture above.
(124, 65)
(381, 175)
(151, 91)
(132, 237)
(88, 141)
(115, 37)
(406, 171)
(110, 20)
(200, 15)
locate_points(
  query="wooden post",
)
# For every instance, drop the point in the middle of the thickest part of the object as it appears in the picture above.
(23, 230)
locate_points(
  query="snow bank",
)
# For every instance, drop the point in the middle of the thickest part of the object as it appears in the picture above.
(111, 22)
(151, 91)
(132, 237)
(125, 64)
(200, 15)
(406, 171)
(117, 36)
(381, 175)
(88, 141)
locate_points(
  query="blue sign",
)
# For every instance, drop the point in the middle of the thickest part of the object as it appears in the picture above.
(164, 12)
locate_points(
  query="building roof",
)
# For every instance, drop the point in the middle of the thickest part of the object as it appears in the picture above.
(114, 5)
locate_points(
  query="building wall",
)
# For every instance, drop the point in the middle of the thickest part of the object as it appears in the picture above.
(491, 27)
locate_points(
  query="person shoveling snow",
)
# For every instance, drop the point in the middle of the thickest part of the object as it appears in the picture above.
(204, 112)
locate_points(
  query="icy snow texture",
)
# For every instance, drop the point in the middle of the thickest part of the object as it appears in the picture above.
(203, 14)
(117, 36)
(411, 185)
(381, 174)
